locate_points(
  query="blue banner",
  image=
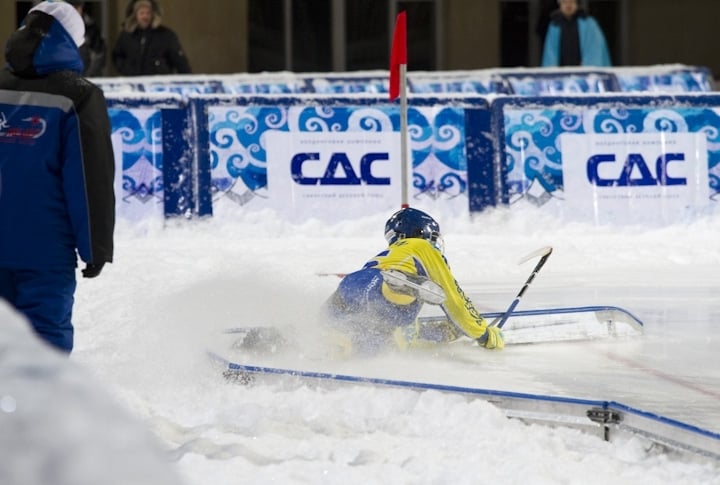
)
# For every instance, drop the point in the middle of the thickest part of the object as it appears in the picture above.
(534, 159)
(233, 151)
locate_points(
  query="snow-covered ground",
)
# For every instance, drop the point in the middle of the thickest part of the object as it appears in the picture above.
(143, 327)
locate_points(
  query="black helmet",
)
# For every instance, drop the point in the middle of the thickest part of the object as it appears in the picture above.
(413, 223)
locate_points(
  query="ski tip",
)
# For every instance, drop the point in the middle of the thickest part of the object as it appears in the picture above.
(339, 275)
(542, 252)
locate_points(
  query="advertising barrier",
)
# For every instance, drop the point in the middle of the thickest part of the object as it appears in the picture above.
(608, 158)
(611, 159)
(153, 156)
(675, 78)
(332, 157)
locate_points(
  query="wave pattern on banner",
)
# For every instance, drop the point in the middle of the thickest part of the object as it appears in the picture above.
(532, 150)
(239, 154)
(142, 154)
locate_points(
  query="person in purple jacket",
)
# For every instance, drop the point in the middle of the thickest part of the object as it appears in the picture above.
(56, 171)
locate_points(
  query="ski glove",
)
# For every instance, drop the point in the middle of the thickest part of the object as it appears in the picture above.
(92, 270)
(492, 338)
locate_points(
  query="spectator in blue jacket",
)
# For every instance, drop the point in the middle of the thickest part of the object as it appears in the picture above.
(574, 38)
(56, 171)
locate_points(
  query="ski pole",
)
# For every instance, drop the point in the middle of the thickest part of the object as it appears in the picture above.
(545, 254)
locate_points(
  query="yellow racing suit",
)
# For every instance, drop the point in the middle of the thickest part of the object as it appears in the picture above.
(375, 315)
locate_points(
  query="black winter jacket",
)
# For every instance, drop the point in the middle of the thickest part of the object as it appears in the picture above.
(149, 52)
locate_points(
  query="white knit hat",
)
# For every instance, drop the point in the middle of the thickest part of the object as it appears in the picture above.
(68, 17)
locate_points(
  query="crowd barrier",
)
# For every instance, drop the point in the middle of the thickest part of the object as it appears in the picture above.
(521, 81)
(328, 145)
(610, 159)
(152, 142)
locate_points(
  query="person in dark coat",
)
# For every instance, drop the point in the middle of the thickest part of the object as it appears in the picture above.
(145, 47)
(57, 171)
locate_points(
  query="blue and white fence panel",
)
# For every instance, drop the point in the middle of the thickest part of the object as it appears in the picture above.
(203, 145)
(670, 79)
(332, 157)
(676, 78)
(153, 156)
(610, 159)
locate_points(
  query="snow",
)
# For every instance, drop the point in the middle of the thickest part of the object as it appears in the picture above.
(143, 327)
(59, 427)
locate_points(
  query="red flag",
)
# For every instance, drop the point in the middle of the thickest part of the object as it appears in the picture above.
(398, 55)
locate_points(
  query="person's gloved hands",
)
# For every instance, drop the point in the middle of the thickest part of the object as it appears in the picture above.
(492, 338)
(92, 270)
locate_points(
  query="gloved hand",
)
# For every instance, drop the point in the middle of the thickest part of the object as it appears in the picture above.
(492, 338)
(92, 270)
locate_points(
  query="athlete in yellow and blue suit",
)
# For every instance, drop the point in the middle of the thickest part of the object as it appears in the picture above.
(376, 313)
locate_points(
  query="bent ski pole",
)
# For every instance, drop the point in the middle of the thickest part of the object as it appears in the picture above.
(545, 253)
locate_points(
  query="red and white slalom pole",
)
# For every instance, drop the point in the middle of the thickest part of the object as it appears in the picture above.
(398, 87)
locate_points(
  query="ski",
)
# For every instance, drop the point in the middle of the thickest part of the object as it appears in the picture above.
(324, 273)
(521, 327)
(568, 324)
